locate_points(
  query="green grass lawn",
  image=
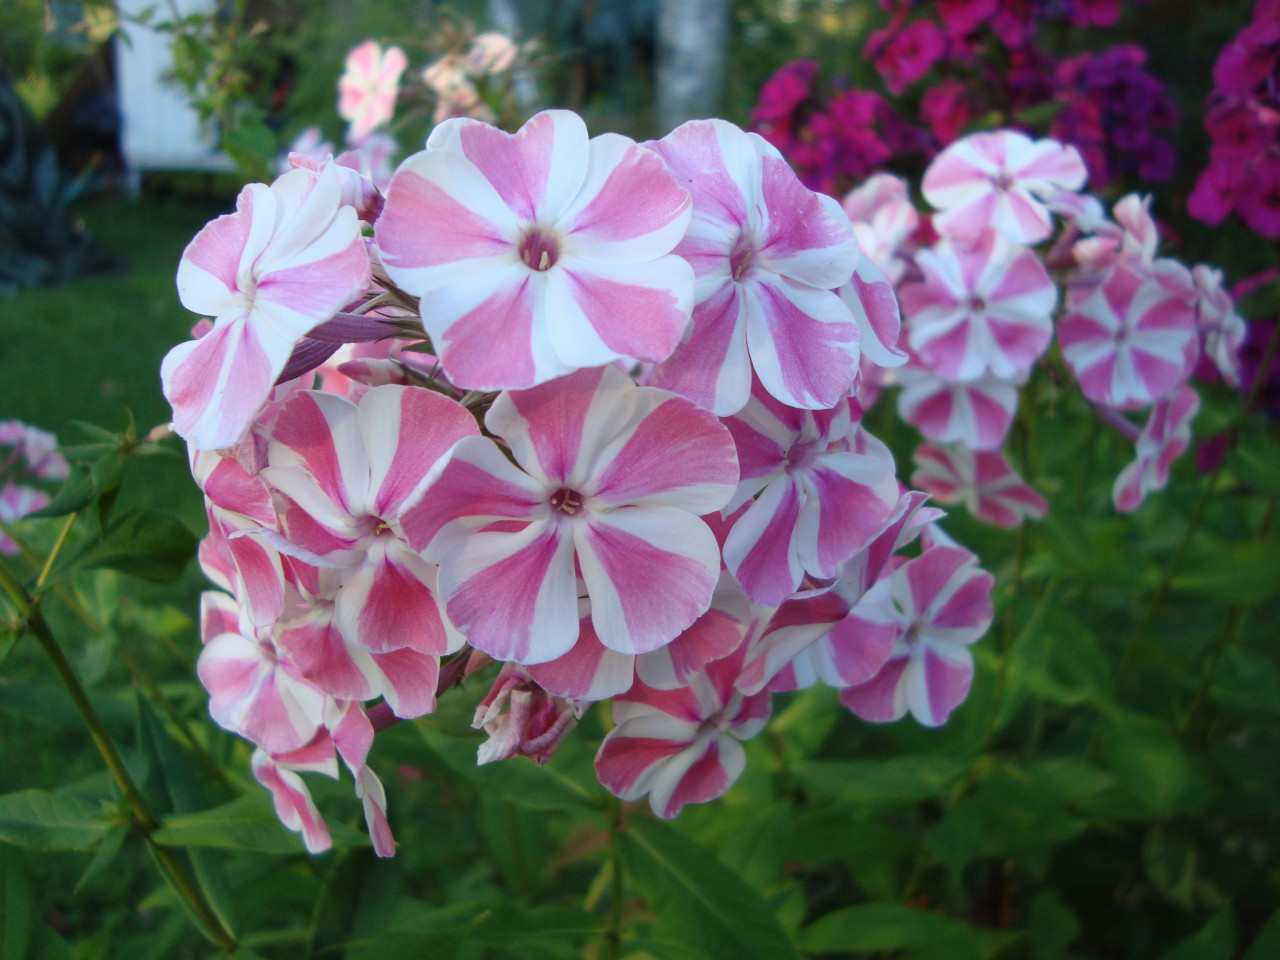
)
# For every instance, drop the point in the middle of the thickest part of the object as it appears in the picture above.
(91, 350)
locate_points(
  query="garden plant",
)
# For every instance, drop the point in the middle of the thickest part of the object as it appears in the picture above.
(851, 535)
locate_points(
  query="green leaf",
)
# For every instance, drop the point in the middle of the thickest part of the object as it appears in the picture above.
(246, 823)
(697, 898)
(519, 780)
(146, 544)
(76, 491)
(1266, 945)
(892, 926)
(16, 911)
(1216, 940)
(173, 787)
(896, 779)
(1243, 572)
(1146, 757)
(104, 856)
(1051, 926)
(50, 821)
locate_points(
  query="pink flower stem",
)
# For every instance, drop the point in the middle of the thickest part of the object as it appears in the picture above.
(1118, 422)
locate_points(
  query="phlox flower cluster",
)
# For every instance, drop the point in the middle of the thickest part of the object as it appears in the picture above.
(27, 455)
(584, 407)
(1243, 121)
(965, 61)
(983, 301)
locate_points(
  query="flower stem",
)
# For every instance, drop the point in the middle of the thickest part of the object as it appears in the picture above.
(613, 932)
(170, 865)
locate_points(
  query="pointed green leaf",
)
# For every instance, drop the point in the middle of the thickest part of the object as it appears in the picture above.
(50, 821)
(104, 856)
(1216, 940)
(697, 898)
(897, 779)
(16, 911)
(893, 926)
(1146, 757)
(1266, 945)
(146, 544)
(246, 823)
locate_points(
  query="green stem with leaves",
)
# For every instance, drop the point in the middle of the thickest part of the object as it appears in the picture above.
(171, 866)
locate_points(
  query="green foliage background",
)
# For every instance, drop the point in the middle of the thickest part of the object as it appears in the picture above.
(1108, 791)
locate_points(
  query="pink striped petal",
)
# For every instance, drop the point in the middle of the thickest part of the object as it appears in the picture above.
(292, 802)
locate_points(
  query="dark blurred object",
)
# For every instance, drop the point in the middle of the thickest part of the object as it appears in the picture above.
(84, 126)
(40, 241)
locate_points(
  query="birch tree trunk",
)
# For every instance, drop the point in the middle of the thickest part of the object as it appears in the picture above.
(693, 42)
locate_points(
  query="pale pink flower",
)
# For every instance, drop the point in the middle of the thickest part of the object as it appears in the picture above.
(609, 480)
(1000, 181)
(1131, 341)
(884, 220)
(940, 603)
(983, 308)
(768, 254)
(16, 501)
(368, 87)
(538, 253)
(490, 53)
(39, 448)
(984, 482)
(681, 746)
(815, 498)
(287, 260)
(977, 414)
(1164, 438)
(456, 95)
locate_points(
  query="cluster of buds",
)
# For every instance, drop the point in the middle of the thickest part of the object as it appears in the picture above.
(984, 295)
(27, 454)
(582, 406)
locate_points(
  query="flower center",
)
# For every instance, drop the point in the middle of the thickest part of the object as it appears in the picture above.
(539, 248)
(566, 501)
(741, 257)
(1002, 181)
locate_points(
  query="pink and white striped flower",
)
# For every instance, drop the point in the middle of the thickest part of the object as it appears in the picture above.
(591, 671)
(870, 298)
(985, 482)
(1163, 440)
(817, 499)
(883, 218)
(369, 85)
(287, 260)
(767, 254)
(783, 645)
(346, 471)
(39, 448)
(983, 308)
(940, 604)
(1131, 341)
(538, 253)
(1000, 181)
(1222, 330)
(609, 483)
(533, 724)
(681, 746)
(977, 414)
(254, 689)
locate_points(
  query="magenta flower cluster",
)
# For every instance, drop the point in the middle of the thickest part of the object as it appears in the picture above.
(582, 406)
(974, 59)
(1243, 121)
